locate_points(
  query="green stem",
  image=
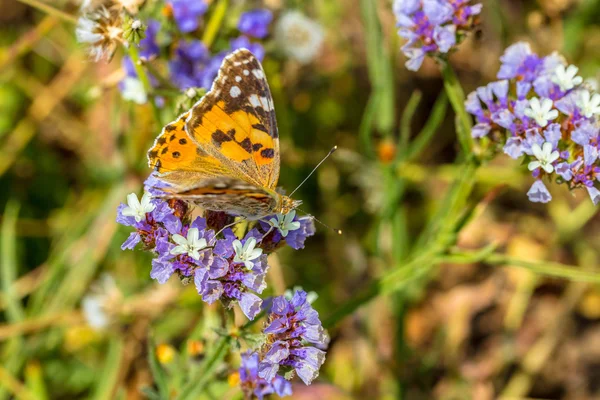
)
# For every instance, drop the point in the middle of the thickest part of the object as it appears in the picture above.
(548, 268)
(198, 382)
(143, 76)
(214, 23)
(439, 236)
(50, 10)
(457, 99)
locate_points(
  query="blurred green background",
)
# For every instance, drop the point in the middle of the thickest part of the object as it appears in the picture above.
(470, 327)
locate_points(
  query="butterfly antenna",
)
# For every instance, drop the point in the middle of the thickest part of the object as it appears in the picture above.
(338, 231)
(313, 171)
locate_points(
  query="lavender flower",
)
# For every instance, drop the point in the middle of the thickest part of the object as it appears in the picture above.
(188, 67)
(187, 13)
(540, 111)
(433, 27)
(223, 268)
(254, 385)
(289, 229)
(231, 278)
(255, 23)
(295, 338)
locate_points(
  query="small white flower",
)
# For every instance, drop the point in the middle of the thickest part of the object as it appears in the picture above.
(545, 157)
(541, 112)
(588, 104)
(298, 36)
(285, 223)
(190, 245)
(191, 93)
(567, 77)
(133, 89)
(138, 209)
(246, 253)
(104, 297)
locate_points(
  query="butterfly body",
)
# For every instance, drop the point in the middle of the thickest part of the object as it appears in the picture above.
(223, 154)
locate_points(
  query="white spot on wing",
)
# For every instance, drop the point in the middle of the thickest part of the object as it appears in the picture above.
(246, 72)
(237, 63)
(255, 101)
(235, 91)
(238, 78)
(266, 104)
(246, 61)
(258, 73)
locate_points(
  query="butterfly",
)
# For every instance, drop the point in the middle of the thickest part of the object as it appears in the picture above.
(223, 154)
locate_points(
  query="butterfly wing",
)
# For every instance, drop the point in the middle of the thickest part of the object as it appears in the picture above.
(235, 122)
(223, 154)
(179, 161)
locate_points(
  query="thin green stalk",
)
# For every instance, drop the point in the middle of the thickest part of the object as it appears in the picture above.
(420, 142)
(214, 23)
(142, 74)
(457, 99)
(438, 237)
(405, 121)
(205, 374)
(548, 268)
(8, 267)
(50, 10)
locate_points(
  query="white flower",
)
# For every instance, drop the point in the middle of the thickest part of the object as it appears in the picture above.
(566, 78)
(96, 306)
(190, 245)
(545, 157)
(246, 253)
(133, 89)
(541, 112)
(285, 223)
(101, 30)
(138, 209)
(588, 104)
(298, 36)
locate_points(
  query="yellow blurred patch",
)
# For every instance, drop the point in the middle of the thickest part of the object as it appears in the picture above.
(195, 347)
(589, 306)
(78, 337)
(165, 353)
(234, 379)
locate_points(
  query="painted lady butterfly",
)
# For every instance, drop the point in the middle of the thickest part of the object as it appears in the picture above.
(223, 154)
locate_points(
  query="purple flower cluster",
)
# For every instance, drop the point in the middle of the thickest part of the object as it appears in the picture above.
(541, 111)
(255, 23)
(222, 266)
(433, 27)
(187, 13)
(295, 339)
(191, 64)
(255, 386)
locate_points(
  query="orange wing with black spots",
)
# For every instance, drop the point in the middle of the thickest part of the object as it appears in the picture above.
(235, 122)
(223, 154)
(179, 160)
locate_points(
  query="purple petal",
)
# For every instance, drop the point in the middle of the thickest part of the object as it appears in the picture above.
(250, 304)
(538, 193)
(161, 271)
(212, 291)
(133, 239)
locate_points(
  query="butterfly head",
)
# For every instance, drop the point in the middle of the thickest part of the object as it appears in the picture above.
(287, 204)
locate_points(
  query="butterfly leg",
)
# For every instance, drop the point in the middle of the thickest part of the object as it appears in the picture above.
(227, 226)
